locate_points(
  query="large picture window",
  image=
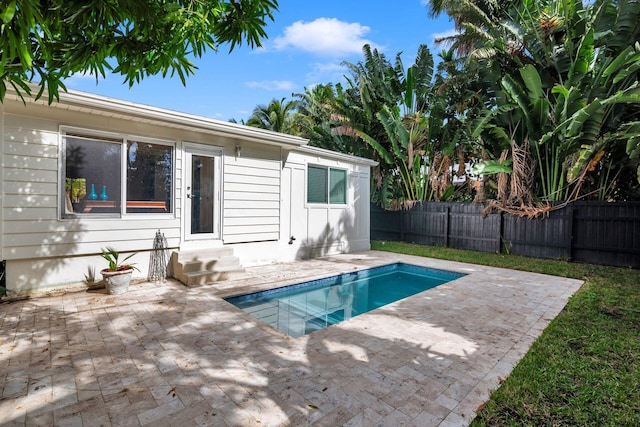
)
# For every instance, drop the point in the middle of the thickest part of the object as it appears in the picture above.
(326, 185)
(99, 180)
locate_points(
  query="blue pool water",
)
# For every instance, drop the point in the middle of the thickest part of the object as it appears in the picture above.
(307, 307)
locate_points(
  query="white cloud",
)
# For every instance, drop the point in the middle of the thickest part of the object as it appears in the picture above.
(80, 78)
(324, 36)
(326, 71)
(272, 85)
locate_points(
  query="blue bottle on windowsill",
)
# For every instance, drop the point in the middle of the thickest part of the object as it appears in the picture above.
(93, 195)
(103, 195)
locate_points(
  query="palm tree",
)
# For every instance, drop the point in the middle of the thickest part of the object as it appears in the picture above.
(276, 116)
(393, 116)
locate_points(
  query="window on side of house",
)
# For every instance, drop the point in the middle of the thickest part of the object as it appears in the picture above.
(326, 185)
(100, 181)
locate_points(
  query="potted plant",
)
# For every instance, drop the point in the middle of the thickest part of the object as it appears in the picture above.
(118, 275)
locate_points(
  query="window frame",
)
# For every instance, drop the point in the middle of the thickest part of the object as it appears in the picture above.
(124, 140)
(328, 170)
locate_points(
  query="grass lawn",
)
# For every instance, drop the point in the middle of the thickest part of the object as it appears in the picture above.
(585, 368)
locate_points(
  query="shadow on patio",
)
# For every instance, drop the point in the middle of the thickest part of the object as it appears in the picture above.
(169, 354)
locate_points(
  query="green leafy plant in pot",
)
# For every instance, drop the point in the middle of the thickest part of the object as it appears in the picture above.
(118, 275)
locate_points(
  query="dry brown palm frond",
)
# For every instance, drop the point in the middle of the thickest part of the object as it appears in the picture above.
(530, 211)
(378, 176)
(478, 186)
(503, 181)
(434, 170)
(444, 178)
(596, 159)
(410, 154)
(522, 175)
(402, 205)
(462, 166)
(345, 131)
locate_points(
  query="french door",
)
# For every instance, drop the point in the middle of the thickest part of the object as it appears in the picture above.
(202, 208)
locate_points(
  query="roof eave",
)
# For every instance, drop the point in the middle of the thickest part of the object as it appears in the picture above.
(337, 156)
(102, 104)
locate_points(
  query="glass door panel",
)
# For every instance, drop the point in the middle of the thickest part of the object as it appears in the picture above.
(202, 192)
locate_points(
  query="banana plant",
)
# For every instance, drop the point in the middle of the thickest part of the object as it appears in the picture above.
(572, 121)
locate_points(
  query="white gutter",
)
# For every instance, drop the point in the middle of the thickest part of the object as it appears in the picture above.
(307, 149)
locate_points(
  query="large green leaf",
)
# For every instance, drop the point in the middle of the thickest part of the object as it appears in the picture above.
(409, 91)
(583, 59)
(532, 81)
(8, 13)
(488, 167)
(382, 152)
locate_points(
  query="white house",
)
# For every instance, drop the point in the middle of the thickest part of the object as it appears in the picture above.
(89, 172)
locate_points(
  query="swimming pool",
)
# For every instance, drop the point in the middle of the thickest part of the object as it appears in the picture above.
(306, 307)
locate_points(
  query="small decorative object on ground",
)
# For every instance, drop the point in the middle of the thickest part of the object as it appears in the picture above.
(159, 259)
(118, 275)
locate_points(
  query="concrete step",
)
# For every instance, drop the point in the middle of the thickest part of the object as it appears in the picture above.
(205, 277)
(204, 254)
(195, 268)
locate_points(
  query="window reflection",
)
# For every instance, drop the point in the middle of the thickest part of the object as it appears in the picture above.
(149, 177)
(93, 176)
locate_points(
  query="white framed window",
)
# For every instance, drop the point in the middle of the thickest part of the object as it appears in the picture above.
(105, 174)
(326, 185)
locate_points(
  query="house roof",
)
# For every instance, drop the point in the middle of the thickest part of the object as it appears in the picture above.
(307, 149)
(74, 100)
(111, 107)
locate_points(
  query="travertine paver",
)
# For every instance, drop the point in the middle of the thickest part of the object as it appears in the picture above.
(164, 354)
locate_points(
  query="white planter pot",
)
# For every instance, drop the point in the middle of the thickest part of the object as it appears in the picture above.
(117, 281)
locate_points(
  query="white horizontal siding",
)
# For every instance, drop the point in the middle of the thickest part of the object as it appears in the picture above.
(256, 220)
(256, 236)
(253, 213)
(239, 195)
(26, 239)
(79, 247)
(97, 225)
(231, 187)
(30, 224)
(252, 180)
(250, 205)
(36, 188)
(32, 200)
(252, 197)
(25, 176)
(31, 214)
(253, 167)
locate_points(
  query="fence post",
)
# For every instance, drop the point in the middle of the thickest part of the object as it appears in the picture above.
(500, 231)
(446, 226)
(569, 237)
(402, 225)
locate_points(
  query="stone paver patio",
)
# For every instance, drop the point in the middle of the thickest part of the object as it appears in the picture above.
(164, 354)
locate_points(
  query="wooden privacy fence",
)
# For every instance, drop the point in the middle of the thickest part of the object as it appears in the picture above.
(591, 232)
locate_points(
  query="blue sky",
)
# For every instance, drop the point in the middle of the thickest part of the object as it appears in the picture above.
(307, 43)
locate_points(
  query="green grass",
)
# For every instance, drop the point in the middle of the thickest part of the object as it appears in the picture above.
(585, 368)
